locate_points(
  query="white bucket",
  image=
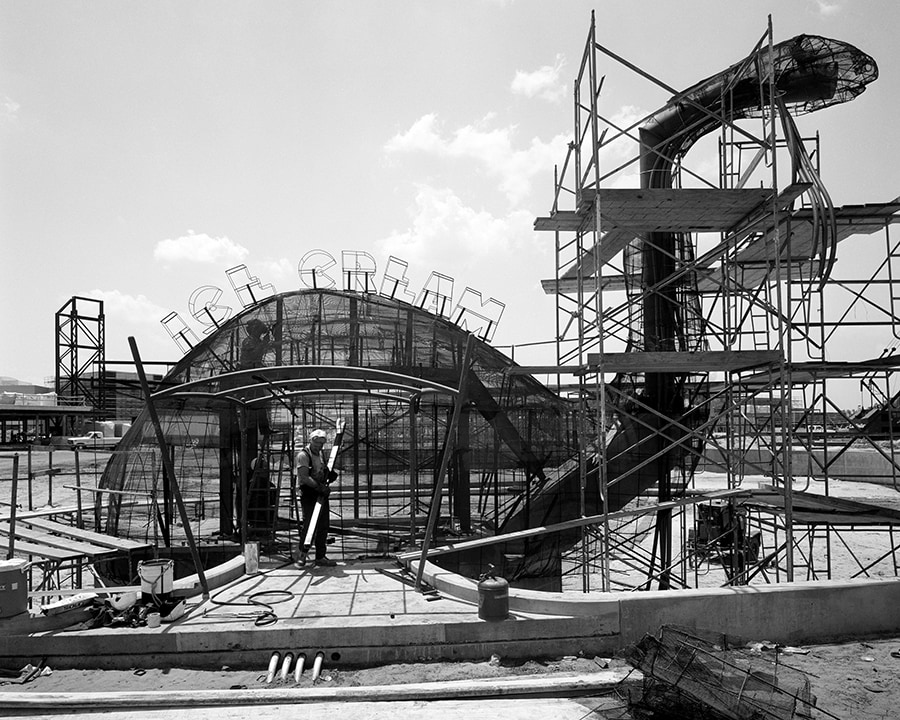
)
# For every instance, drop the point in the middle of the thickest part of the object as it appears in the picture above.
(157, 577)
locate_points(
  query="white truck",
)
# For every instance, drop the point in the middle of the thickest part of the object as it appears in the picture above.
(94, 440)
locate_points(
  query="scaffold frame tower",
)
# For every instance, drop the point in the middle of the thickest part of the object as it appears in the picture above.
(81, 352)
(694, 314)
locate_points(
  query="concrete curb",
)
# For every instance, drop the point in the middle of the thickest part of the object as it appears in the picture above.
(789, 613)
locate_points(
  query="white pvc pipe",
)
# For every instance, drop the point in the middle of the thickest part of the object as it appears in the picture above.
(273, 667)
(298, 668)
(317, 666)
(286, 666)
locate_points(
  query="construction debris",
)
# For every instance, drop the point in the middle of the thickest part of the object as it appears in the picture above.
(686, 675)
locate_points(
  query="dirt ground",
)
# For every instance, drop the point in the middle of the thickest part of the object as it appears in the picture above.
(225, 678)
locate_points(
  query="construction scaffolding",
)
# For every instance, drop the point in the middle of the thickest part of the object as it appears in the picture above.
(695, 431)
(700, 320)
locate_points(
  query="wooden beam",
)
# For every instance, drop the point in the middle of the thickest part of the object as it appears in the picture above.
(612, 241)
(682, 362)
(569, 286)
(659, 362)
(42, 538)
(564, 221)
(95, 538)
(43, 551)
(45, 512)
(663, 210)
(545, 370)
(254, 702)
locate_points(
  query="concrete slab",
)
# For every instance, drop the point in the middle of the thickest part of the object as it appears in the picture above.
(354, 613)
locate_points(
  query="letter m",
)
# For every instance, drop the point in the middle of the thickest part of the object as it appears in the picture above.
(478, 317)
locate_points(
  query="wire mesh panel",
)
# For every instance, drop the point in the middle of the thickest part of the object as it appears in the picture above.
(687, 675)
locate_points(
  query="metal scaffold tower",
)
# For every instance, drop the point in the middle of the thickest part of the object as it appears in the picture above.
(698, 314)
(81, 353)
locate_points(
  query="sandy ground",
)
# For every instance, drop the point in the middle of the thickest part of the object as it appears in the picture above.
(855, 679)
(849, 680)
(225, 678)
(56, 490)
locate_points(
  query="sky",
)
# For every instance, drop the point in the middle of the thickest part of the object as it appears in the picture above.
(148, 147)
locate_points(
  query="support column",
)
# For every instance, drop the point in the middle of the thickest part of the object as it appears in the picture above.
(462, 489)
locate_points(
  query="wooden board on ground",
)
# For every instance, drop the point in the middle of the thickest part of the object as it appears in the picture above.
(508, 709)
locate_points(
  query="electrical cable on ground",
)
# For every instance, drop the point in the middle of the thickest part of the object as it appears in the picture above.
(267, 616)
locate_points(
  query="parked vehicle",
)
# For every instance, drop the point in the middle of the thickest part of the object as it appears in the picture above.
(29, 438)
(94, 440)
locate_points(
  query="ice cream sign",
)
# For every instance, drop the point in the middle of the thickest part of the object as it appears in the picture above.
(358, 272)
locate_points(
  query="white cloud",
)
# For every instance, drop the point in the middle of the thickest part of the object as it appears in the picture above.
(9, 109)
(281, 272)
(444, 231)
(422, 136)
(137, 316)
(500, 256)
(200, 249)
(542, 83)
(491, 148)
(827, 9)
(137, 307)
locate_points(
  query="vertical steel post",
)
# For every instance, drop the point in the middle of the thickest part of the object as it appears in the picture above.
(80, 522)
(435, 508)
(50, 477)
(30, 482)
(413, 468)
(12, 508)
(161, 440)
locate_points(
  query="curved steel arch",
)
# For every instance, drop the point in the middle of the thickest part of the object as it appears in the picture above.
(289, 381)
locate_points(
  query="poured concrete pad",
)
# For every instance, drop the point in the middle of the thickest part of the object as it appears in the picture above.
(353, 613)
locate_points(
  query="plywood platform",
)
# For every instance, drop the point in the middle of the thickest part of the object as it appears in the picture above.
(662, 210)
(748, 218)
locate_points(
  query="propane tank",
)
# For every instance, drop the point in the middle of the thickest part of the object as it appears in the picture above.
(493, 596)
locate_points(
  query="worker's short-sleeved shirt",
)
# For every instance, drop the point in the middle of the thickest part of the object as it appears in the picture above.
(317, 468)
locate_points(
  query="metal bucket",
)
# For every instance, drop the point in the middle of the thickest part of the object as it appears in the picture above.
(13, 587)
(157, 579)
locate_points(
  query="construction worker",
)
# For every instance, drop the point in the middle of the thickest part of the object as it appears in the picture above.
(312, 476)
(255, 345)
